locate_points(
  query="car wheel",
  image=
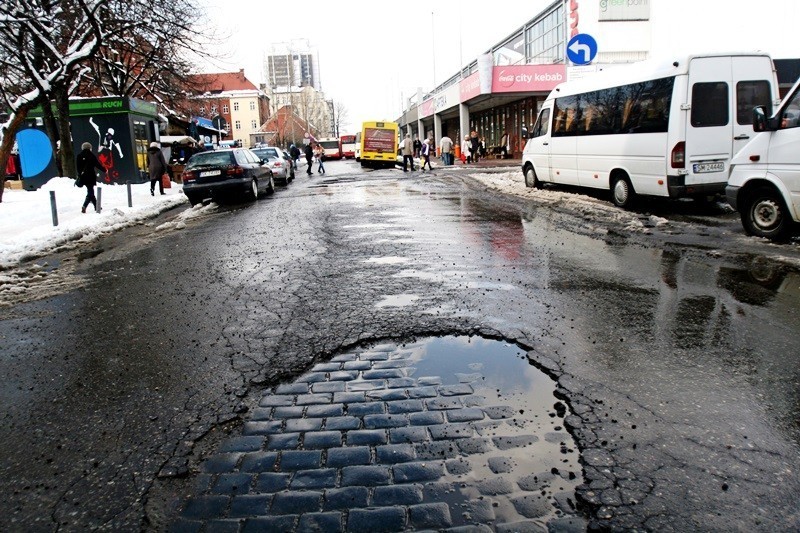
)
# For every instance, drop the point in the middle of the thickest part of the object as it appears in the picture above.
(253, 193)
(271, 185)
(764, 215)
(622, 193)
(193, 200)
(530, 178)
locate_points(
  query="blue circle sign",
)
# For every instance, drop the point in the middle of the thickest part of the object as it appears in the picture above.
(582, 49)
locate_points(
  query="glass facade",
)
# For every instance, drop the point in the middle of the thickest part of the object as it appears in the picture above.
(545, 39)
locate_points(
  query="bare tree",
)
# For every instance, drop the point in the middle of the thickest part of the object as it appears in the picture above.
(339, 117)
(43, 44)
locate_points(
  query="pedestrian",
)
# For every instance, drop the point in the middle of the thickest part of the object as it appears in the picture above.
(156, 167)
(417, 146)
(86, 163)
(319, 154)
(294, 151)
(465, 151)
(408, 153)
(446, 143)
(425, 155)
(474, 146)
(309, 152)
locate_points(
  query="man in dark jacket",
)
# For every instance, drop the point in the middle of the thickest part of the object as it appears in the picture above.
(294, 151)
(86, 163)
(309, 157)
(156, 167)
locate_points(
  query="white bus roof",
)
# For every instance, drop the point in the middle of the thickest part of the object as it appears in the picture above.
(650, 69)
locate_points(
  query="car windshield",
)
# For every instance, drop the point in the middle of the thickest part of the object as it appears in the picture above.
(210, 159)
(266, 153)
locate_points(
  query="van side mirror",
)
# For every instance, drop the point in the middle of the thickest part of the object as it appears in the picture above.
(524, 132)
(759, 118)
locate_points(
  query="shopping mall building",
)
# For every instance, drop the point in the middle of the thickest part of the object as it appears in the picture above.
(503, 89)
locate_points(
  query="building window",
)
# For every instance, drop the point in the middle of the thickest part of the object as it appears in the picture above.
(252, 106)
(236, 106)
(238, 125)
(225, 109)
(253, 124)
(213, 109)
(202, 110)
(545, 39)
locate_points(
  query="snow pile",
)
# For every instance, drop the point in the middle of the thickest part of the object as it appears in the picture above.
(28, 230)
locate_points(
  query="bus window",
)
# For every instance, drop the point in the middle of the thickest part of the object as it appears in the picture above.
(709, 104)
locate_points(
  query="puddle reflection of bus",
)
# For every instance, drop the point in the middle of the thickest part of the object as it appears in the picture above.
(348, 144)
(331, 146)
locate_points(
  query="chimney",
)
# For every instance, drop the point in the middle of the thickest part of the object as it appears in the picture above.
(241, 73)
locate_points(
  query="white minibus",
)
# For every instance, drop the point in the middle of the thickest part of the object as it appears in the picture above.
(764, 182)
(650, 128)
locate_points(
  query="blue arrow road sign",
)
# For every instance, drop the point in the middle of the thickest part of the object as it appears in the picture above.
(581, 49)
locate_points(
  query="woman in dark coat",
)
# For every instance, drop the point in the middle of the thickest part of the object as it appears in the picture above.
(86, 164)
(156, 167)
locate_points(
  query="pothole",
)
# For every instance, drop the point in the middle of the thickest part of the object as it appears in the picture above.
(432, 434)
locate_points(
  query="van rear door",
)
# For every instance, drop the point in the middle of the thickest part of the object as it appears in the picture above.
(709, 135)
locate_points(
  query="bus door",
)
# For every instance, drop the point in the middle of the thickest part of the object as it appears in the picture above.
(539, 144)
(710, 126)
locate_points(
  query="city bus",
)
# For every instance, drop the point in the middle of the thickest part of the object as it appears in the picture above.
(348, 144)
(651, 128)
(379, 144)
(331, 147)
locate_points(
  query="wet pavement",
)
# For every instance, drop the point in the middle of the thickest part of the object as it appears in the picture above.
(141, 372)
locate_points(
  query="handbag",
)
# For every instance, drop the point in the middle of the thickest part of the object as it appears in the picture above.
(165, 181)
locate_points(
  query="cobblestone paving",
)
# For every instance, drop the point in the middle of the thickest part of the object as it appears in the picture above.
(366, 443)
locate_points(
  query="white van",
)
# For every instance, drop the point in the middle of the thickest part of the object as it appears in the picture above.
(764, 182)
(653, 128)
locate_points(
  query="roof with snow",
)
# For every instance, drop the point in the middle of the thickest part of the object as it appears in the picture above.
(223, 81)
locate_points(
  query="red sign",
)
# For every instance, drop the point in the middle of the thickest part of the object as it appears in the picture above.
(426, 108)
(470, 87)
(527, 78)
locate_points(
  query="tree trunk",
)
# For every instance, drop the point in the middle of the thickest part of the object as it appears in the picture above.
(67, 151)
(9, 134)
(50, 126)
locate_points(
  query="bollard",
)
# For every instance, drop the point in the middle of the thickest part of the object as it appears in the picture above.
(130, 196)
(53, 207)
(99, 199)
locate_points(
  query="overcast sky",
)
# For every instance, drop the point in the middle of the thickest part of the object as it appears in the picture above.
(374, 53)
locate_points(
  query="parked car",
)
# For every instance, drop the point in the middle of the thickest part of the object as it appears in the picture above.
(277, 163)
(763, 184)
(230, 171)
(288, 157)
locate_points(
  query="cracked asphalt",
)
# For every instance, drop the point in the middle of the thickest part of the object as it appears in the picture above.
(673, 355)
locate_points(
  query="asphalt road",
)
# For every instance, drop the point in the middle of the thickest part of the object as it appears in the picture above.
(675, 351)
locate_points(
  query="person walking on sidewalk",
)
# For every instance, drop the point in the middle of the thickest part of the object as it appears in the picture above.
(156, 167)
(425, 155)
(446, 144)
(408, 153)
(86, 163)
(294, 152)
(309, 153)
(466, 154)
(475, 146)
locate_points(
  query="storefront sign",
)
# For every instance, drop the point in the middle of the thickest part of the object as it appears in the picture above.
(469, 87)
(426, 108)
(624, 10)
(448, 98)
(527, 78)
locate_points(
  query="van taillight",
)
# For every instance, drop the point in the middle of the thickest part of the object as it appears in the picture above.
(234, 170)
(678, 158)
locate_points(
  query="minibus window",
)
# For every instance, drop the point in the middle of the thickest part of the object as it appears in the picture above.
(709, 104)
(543, 124)
(750, 94)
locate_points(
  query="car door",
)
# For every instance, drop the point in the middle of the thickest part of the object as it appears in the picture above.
(784, 161)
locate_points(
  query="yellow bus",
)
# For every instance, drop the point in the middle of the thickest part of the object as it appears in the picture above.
(379, 144)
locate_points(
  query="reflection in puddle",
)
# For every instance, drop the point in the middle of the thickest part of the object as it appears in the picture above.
(397, 300)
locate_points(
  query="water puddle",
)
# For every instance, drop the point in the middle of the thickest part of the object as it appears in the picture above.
(387, 260)
(441, 433)
(397, 300)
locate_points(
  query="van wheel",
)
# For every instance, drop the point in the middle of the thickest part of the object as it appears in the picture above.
(764, 215)
(530, 178)
(622, 193)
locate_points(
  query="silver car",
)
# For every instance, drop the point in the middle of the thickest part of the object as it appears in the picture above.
(277, 163)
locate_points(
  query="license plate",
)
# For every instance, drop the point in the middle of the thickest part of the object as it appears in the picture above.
(703, 168)
(207, 173)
